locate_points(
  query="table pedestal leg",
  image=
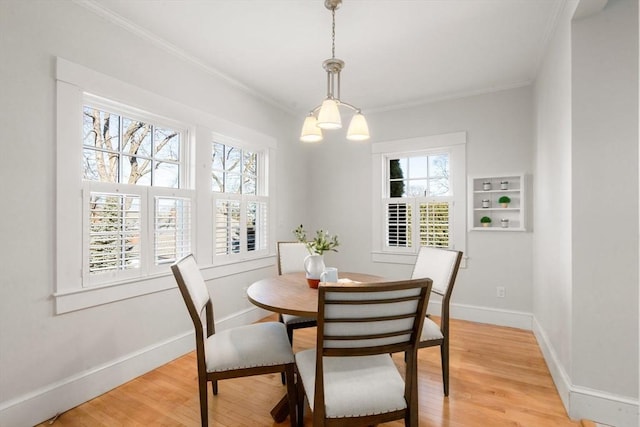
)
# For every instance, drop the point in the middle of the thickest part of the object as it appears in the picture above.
(280, 412)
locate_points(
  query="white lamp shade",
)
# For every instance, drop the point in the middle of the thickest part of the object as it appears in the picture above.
(310, 130)
(358, 128)
(329, 115)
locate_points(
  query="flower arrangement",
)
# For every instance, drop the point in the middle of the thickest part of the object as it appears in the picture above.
(323, 242)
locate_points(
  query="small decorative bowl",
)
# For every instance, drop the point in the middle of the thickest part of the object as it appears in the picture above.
(313, 283)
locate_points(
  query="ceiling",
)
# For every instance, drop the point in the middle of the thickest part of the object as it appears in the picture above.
(397, 52)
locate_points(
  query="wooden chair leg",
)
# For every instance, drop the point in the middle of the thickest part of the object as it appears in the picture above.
(300, 395)
(204, 407)
(290, 336)
(291, 393)
(444, 356)
(412, 384)
(214, 387)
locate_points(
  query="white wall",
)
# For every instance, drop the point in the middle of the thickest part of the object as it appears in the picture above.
(586, 272)
(499, 130)
(47, 362)
(552, 200)
(605, 185)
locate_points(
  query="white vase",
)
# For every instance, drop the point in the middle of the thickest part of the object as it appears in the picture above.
(314, 266)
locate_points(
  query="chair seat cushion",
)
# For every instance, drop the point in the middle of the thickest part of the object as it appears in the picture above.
(289, 319)
(354, 386)
(431, 331)
(258, 344)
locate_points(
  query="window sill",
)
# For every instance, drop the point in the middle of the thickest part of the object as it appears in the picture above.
(79, 299)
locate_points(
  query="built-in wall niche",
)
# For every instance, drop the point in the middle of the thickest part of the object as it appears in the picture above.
(499, 198)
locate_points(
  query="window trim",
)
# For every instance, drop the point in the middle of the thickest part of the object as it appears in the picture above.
(73, 81)
(453, 143)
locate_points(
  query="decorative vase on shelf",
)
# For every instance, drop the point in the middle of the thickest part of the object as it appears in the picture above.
(313, 266)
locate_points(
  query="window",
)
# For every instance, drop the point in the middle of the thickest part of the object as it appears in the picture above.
(130, 199)
(137, 204)
(421, 200)
(240, 202)
(421, 181)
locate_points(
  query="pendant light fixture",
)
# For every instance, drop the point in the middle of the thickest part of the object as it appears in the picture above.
(327, 114)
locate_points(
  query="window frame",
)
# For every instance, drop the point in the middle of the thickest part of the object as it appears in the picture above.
(452, 143)
(146, 193)
(73, 81)
(261, 196)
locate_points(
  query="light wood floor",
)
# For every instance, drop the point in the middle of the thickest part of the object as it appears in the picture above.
(498, 378)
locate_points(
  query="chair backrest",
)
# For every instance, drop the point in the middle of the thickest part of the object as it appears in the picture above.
(291, 257)
(357, 319)
(194, 292)
(440, 265)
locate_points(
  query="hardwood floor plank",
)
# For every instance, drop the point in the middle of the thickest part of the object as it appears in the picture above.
(497, 378)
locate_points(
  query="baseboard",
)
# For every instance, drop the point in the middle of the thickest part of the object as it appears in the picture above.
(558, 374)
(604, 408)
(492, 316)
(582, 402)
(45, 402)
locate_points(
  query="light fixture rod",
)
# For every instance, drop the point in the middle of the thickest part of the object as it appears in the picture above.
(340, 103)
(333, 32)
(329, 91)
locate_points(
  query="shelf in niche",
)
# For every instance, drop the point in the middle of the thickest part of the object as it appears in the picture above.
(496, 191)
(514, 213)
(497, 228)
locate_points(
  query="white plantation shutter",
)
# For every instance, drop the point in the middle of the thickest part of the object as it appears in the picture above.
(113, 236)
(227, 227)
(410, 220)
(435, 224)
(172, 229)
(398, 223)
(257, 226)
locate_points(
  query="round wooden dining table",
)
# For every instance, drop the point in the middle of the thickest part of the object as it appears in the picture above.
(290, 293)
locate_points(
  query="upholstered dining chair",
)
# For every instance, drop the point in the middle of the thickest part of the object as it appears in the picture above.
(441, 266)
(291, 257)
(254, 349)
(350, 379)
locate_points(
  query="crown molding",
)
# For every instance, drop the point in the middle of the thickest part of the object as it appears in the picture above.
(450, 96)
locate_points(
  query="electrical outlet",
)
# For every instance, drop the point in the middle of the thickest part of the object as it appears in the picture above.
(500, 291)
